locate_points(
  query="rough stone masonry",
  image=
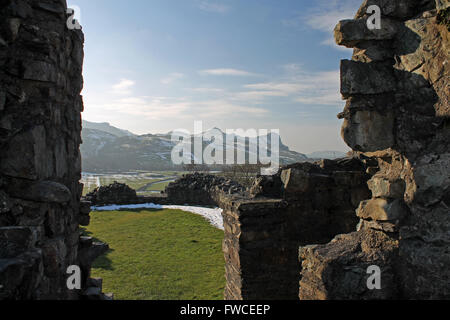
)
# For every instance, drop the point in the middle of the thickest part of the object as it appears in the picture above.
(397, 91)
(40, 168)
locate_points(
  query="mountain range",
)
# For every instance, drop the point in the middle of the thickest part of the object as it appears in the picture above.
(109, 149)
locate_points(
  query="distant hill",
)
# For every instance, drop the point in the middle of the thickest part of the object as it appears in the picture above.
(331, 155)
(109, 149)
(106, 127)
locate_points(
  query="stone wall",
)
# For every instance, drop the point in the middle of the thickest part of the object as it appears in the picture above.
(264, 226)
(305, 203)
(115, 193)
(397, 111)
(40, 125)
(200, 189)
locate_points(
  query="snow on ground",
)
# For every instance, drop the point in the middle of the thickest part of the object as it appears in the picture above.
(214, 216)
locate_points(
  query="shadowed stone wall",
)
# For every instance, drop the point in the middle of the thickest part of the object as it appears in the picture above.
(397, 91)
(40, 167)
(264, 226)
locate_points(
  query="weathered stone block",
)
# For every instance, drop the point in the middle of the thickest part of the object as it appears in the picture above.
(382, 210)
(84, 220)
(42, 191)
(432, 179)
(366, 78)
(39, 71)
(442, 4)
(350, 32)
(295, 180)
(383, 188)
(2, 99)
(369, 131)
(54, 255)
(16, 240)
(338, 270)
(85, 208)
(5, 203)
(397, 9)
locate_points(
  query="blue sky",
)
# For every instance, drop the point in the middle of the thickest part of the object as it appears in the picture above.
(152, 66)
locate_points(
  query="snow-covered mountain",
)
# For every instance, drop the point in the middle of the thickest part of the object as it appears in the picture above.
(106, 148)
(106, 127)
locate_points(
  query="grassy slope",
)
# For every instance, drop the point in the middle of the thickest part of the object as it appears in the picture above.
(159, 255)
(158, 186)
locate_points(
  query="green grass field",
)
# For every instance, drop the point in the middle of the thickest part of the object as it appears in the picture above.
(158, 186)
(159, 255)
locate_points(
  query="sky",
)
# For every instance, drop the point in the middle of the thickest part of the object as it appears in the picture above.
(152, 66)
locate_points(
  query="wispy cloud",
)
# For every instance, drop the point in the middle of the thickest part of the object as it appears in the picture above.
(314, 88)
(258, 95)
(169, 108)
(324, 17)
(123, 87)
(172, 77)
(212, 6)
(227, 72)
(207, 90)
(178, 109)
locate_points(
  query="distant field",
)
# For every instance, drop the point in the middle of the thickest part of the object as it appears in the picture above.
(144, 183)
(159, 255)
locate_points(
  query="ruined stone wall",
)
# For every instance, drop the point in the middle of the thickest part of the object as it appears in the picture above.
(304, 203)
(40, 167)
(264, 226)
(397, 91)
(200, 189)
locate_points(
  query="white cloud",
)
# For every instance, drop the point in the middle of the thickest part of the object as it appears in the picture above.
(207, 90)
(292, 68)
(165, 108)
(318, 88)
(258, 95)
(226, 72)
(286, 88)
(172, 77)
(327, 99)
(226, 109)
(212, 6)
(325, 16)
(152, 108)
(123, 87)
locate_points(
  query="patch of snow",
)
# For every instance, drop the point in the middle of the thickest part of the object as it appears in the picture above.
(214, 216)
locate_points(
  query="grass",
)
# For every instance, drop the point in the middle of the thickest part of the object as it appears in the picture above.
(159, 255)
(158, 186)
